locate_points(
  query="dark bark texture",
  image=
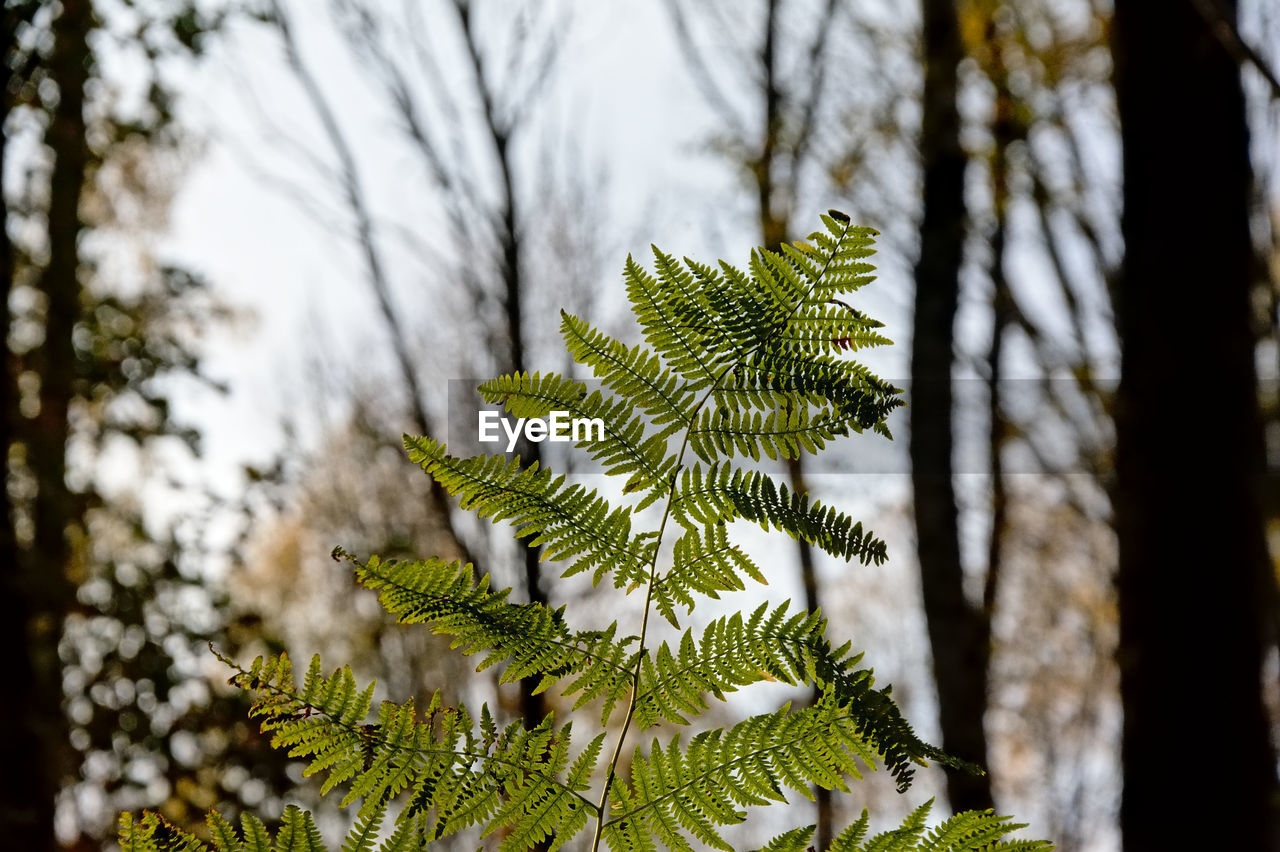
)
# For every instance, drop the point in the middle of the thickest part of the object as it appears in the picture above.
(1189, 456)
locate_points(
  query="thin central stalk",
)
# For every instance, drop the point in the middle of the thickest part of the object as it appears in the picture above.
(601, 810)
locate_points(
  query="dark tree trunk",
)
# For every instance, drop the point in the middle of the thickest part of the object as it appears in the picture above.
(1198, 762)
(958, 632)
(22, 818)
(44, 590)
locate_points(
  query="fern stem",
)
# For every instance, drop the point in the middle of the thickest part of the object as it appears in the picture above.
(644, 620)
(644, 633)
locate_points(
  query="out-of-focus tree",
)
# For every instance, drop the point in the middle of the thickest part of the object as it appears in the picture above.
(353, 488)
(26, 816)
(1027, 242)
(958, 632)
(1048, 258)
(506, 220)
(1041, 132)
(1194, 579)
(105, 609)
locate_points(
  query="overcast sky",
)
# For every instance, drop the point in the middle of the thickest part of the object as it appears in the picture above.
(622, 95)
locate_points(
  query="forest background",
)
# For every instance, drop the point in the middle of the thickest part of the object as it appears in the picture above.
(247, 245)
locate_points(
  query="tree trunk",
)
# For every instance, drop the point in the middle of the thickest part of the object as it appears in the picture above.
(44, 587)
(958, 631)
(1189, 454)
(24, 815)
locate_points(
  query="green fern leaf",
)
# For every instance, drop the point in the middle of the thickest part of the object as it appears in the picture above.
(703, 562)
(225, 837)
(256, 838)
(724, 493)
(151, 833)
(498, 778)
(669, 320)
(675, 791)
(531, 639)
(412, 834)
(635, 373)
(968, 831)
(795, 840)
(733, 652)
(568, 521)
(298, 832)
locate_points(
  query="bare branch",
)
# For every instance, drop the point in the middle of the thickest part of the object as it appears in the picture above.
(816, 67)
(1228, 34)
(541, 69)
(702, 76)
(354, 193)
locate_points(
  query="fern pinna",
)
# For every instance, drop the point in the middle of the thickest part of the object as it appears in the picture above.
(734, 365)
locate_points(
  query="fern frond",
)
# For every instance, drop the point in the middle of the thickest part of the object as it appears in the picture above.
(780, 375)
(787, 285)
(411, 835)
(968, 831)
(624, 448)
(364, 832)
(784, 432)
(833, 261)
(633, 372)
(724, 493)
(151, 833)
(224, 834)
(733, 652)
(735, 317)
(256, 837)
(670, 321)
(700, 320)
(735, 363)
(531, 639)
(787, 647)
(569, 521)
(677, 793)
(849, 839)
(795, 840)
(703, 562)
(298, 832)
(464, 773)
(831, 326)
